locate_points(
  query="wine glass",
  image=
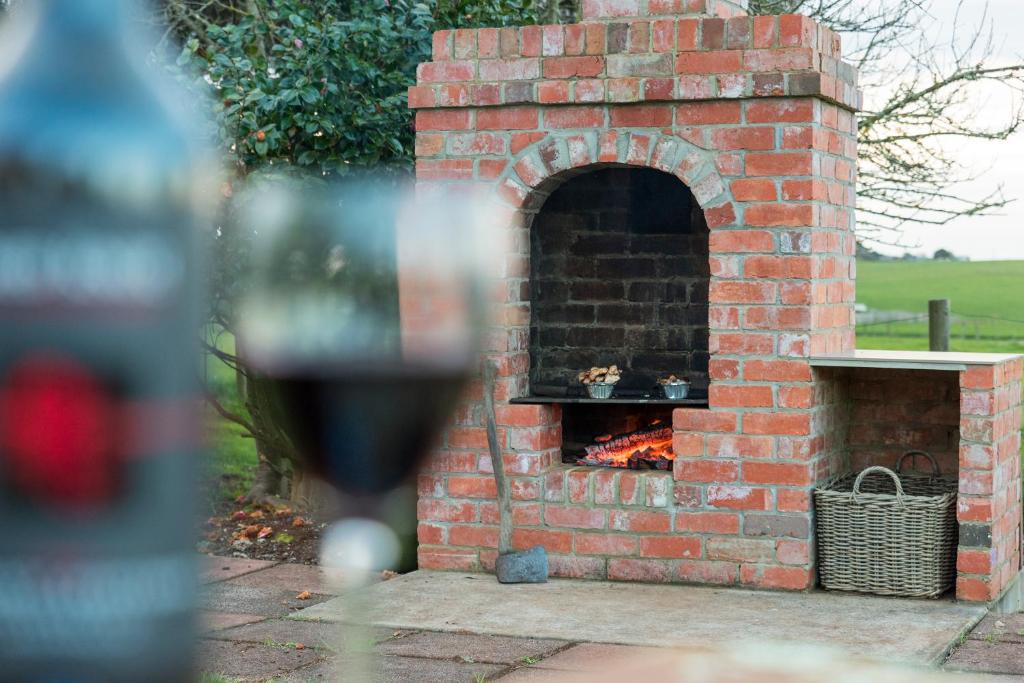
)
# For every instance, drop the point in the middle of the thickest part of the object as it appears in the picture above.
(363, 308)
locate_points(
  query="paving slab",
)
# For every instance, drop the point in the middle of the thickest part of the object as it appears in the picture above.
(531, 674)
(291, 577)
(764, 663)
(311, 634)
(210, 621)
(487, 649)
(251, 662)
(661, 666)
(589, 657)
(222, 568)
(235, 599)
(1003, 627)
(401, 670)
(988, 657)
(321, 670)
(914, 631)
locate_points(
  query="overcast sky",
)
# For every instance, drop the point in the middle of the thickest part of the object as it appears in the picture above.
(989, 237)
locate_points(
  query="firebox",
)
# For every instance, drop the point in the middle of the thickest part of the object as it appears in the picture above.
(629, 436)
(619, 275)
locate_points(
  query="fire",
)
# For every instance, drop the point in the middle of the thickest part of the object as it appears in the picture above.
(649, 448)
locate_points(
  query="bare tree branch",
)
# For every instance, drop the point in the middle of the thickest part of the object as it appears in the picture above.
(930, 92)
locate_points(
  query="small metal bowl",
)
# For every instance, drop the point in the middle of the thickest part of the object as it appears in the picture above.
(600, 389)
(676, 391)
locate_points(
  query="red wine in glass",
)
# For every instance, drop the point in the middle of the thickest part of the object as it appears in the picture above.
(366, 429)
(363, 314)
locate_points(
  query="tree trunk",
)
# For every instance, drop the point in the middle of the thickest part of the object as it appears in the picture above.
(266, 485)
(310, 493)
(276, 455)
(280, 478)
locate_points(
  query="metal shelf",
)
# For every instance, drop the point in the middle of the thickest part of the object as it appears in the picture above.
(695, 402)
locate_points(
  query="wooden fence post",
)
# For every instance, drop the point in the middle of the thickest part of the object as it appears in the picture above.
(938, 325)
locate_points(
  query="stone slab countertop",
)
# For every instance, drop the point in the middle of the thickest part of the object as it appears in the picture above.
(911, 360)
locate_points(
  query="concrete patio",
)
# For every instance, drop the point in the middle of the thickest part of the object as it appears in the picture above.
(442, 627)
(893, 630)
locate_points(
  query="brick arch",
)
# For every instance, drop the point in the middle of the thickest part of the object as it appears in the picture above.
(541, 167)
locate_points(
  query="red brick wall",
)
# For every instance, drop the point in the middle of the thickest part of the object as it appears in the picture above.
(893, 411)
(989, 505)
(831, 426)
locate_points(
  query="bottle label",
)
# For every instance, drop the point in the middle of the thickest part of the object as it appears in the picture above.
(93, 610)
(141, 270)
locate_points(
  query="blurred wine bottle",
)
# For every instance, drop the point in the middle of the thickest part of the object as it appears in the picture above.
(99, 312)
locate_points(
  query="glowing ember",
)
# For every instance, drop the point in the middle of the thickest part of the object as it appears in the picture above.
(644, 449)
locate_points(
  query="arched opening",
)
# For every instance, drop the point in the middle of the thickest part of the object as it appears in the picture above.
(619, 274)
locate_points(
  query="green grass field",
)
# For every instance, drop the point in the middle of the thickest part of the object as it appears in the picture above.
(987, 302)
(993, 289)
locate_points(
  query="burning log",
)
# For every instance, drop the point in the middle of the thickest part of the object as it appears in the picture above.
(638, 440)
(643, 449)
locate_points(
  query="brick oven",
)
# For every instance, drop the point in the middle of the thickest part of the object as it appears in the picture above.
(677, 183)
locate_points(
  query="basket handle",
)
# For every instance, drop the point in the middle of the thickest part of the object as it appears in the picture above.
(935, 465)
(881, 470)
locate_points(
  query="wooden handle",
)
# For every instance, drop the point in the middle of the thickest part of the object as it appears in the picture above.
(504, 495)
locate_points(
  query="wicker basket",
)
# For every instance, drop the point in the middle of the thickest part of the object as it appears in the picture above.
(889, 533)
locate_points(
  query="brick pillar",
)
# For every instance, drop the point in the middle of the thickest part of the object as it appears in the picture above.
(989, 507)
(782, 289)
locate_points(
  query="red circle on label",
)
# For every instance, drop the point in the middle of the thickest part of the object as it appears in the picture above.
(57, 432)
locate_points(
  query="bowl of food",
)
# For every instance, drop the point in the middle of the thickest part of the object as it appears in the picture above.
(675, 388)
(600, 382)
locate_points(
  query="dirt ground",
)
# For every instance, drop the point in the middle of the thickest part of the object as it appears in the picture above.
(261, 533)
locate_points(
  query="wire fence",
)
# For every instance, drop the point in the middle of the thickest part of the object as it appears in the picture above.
(964, 325)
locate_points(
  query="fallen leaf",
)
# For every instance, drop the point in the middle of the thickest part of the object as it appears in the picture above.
(284, 512)
(300, 646)
(251, 530)
(387, 574)
(304, 595)
(256, 514)
(265, 531)
(283, 538)
(298, 521)
(240, 515)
